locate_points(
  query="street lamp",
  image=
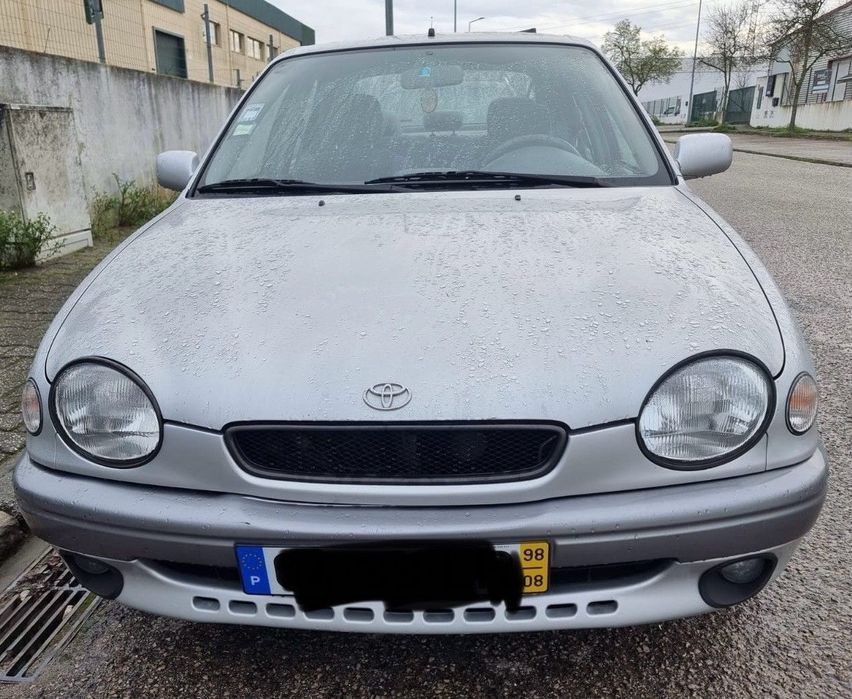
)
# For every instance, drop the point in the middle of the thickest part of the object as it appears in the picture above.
(389, 17)
(694, 60)
(470, 24)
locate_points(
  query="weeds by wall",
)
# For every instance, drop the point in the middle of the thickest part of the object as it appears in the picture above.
(131, 205)
(21, 242)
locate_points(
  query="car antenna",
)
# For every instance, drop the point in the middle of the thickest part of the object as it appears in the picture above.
(431, 33)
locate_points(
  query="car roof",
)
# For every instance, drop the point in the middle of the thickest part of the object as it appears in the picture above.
(452, 38)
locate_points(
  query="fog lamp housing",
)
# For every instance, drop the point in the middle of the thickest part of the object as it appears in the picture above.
(732, 582)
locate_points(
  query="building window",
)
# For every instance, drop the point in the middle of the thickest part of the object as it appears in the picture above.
(170, 54)
(237, 41)
(842, 78)
(176, 5)
(770, 85)
(215, 33)
(254, 49)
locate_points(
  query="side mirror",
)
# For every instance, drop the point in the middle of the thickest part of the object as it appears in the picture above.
(175, 168)
(703, 154)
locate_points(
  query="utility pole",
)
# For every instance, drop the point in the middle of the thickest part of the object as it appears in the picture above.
(389, 17)
(694, 59)
(208, 40)
(455, 16)
(94, 15)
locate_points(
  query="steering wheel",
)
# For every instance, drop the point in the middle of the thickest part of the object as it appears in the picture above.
(537, 139)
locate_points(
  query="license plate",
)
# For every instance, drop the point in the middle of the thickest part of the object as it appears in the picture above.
(257, 567)
(535, 564)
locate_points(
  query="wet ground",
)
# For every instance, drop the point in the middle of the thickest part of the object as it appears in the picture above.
(795, 639)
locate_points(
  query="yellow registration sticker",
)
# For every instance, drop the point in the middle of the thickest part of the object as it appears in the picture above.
(535, 564)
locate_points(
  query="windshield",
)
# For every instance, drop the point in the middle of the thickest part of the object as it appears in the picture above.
(358, 116)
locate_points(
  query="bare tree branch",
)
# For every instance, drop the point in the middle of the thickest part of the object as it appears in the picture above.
(800, 36)
(730, 39)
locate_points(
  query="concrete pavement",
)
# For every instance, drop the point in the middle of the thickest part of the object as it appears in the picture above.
(29, 299)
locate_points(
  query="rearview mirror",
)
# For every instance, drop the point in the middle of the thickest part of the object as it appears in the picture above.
(434, 76)
(703, 154)
(175, 168)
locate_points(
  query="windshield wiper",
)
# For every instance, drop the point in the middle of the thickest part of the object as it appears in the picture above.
(264, 185)
(485, 178)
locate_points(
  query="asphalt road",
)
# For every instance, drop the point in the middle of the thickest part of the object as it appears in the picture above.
(793, 640)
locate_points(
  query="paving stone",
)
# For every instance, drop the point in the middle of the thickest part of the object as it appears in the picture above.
(11, 534)
(28, 301)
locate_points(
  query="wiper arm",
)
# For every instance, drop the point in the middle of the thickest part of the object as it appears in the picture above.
(270, 185)
(488, 178)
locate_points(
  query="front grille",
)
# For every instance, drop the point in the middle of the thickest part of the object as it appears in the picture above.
(402, 453)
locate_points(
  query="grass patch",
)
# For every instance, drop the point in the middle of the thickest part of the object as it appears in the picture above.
(22, 241)
(798, 132)
(131, 206)
(702, 123)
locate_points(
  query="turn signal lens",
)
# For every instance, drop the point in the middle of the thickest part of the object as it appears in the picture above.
(31, 407)
(802, 404)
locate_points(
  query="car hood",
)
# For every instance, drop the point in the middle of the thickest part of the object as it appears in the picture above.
(564, 305)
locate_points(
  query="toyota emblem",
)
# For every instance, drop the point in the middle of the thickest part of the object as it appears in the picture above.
(387, 396)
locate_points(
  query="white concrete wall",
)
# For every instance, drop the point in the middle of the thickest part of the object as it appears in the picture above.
(123, 117)
(825, 116)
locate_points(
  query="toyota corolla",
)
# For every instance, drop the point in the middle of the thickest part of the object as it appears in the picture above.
(435, 339)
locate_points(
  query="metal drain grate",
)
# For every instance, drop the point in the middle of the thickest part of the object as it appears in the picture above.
(39, 613)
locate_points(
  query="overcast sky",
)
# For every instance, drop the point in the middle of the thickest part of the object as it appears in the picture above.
(342, 20)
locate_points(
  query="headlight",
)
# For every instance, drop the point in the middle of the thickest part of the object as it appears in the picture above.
(707, 411)
(31, 407)
(802, 404)
(103, 411)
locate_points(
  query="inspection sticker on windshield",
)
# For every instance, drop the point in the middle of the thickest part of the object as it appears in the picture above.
(243, 129)
(251, 112)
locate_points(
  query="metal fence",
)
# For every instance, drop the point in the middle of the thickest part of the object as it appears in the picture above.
(704, 106)
(739, 105)
(669, 106)
(141, 35)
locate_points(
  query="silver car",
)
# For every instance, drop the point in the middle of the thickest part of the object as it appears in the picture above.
(436, 339)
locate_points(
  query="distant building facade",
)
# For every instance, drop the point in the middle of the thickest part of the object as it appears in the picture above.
(669, 101)
(162, 36)
(825, 100)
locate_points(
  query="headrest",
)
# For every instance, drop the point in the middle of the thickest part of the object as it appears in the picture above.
(510, 117)
(443, 121)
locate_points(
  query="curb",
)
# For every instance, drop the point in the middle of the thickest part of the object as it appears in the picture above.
(798, 158)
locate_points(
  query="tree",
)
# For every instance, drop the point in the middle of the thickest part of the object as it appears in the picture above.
(640, 61)
(730, 46)
(800, 36)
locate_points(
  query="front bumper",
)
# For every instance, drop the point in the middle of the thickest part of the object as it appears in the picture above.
(692, 526)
